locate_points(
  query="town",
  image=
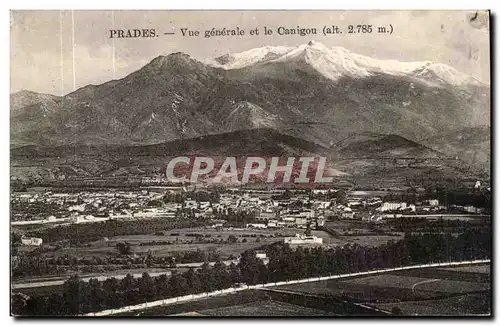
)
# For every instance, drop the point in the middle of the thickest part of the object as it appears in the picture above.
(232, 207)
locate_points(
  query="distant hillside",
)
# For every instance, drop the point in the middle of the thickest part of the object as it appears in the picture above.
(362, 158)
(472, 145)
(374, 159)
(27, 98)
(370, 145)
(242, 142)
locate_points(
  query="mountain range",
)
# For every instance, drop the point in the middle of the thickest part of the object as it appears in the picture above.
(319, 95)
(362, 158)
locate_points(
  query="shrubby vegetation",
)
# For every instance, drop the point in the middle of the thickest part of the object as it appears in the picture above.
(29, 265)
(87, 232)
(416, 224)
(212, 196)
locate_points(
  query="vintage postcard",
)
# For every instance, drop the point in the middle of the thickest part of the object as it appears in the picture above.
(250, 163)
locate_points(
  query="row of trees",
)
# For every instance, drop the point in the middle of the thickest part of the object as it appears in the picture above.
(414, 224)
(212, 196)
(22, 211)
(80, 297)
(27, 265)
(284, 264)
(446, 195)
(87, 232)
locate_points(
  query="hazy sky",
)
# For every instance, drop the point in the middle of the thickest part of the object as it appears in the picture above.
(42, 56)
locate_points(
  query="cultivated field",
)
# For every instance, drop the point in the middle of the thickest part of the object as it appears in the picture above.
(481, 269)
(420, 286)
(463, 305)
(224, 250)
(194, 307)
(359, 232)
(166, 243)
(250, 303)
(266, 308)
(370, 240)
(169, 242)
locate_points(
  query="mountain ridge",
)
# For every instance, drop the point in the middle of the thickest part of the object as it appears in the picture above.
(352, 62)
(177, 97)
(348, 159)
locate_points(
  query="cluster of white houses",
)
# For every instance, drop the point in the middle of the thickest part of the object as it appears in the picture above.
(30, 241)
(303, 239)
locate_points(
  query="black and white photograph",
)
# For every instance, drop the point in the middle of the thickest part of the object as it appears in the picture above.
(250, 163)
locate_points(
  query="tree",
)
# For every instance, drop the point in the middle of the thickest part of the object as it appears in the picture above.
(123, 248)
(74, 294)
(287, 194)
(15, 239)
(234, 273)
(155, 203)
(147, 287)
(177, 284)
(250, 267)
(308, 230)
(96, 298)
(193, 281)
(221, 276)
(396, 311)
(341, 197)
(18, 303)
(206, 274)
(128, 285)
(161, 284)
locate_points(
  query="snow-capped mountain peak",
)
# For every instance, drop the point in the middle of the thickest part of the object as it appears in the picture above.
(336, 62)
(445, 73)
(250, 57)
(331, 63)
